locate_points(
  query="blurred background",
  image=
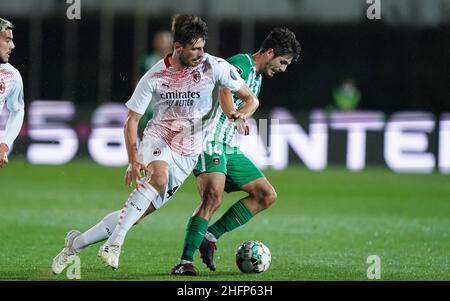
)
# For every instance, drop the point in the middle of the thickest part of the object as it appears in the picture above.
(355, 136)
(376, 58)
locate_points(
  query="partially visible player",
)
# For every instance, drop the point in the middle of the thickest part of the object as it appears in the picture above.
(183, 90)
(223, 166)
(11, 91)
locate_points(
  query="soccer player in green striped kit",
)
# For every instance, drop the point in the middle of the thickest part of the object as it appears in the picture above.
(223, 167)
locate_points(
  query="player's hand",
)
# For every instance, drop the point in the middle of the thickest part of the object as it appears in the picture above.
(135, 171)
(241, 125)
(3, 155)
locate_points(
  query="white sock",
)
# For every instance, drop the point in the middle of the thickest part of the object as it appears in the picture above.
(138, 202)
(209, 236)
(99, 232)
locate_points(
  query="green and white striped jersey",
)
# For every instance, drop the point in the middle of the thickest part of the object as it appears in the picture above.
(222, 129)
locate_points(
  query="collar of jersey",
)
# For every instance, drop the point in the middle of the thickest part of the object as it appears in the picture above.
(250, 58)
(167, 61)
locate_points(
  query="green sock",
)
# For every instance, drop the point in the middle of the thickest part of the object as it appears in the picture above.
(195, 232)
(236, 216)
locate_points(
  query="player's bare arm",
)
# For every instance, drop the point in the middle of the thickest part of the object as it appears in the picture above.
(250, 105)
(3, 155)
(251, 102)
(135, 168)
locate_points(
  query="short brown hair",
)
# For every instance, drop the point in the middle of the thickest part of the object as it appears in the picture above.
(188, 29)
(283, 42)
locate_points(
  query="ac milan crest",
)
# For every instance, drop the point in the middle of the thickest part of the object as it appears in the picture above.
(2, 87)
(196, 76)
(156, 152)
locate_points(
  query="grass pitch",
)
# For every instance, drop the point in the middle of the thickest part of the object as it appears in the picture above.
(323, 226)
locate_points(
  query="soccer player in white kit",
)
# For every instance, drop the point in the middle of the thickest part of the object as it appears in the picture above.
(11, 91)
(183, 89)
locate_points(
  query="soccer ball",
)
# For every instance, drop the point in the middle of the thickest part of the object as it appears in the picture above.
(253, 257)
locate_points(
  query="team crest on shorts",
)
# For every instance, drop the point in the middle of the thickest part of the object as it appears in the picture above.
(196, 76)
(216, 161)
(2, 87)
(156, 152)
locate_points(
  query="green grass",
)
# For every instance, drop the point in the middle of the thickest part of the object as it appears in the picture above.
(323, 226)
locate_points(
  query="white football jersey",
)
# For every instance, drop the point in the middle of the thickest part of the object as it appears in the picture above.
(11, 88)
(183, 101)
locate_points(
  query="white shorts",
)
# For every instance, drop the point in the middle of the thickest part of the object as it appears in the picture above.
(153, 149)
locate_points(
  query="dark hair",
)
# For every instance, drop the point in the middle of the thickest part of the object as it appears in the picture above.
(283, 42)
(188, 29)
(5, 25)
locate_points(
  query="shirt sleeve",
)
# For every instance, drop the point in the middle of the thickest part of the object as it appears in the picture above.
(142, 96)
(15, 105)
(14, 101)
(13, 126)
(242, 65)
(227, 76)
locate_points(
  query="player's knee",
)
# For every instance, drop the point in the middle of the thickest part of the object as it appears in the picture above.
(159, 181)
(212, 198)
(267, 197)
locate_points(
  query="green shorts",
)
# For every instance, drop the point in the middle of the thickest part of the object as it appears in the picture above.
(230, 160)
